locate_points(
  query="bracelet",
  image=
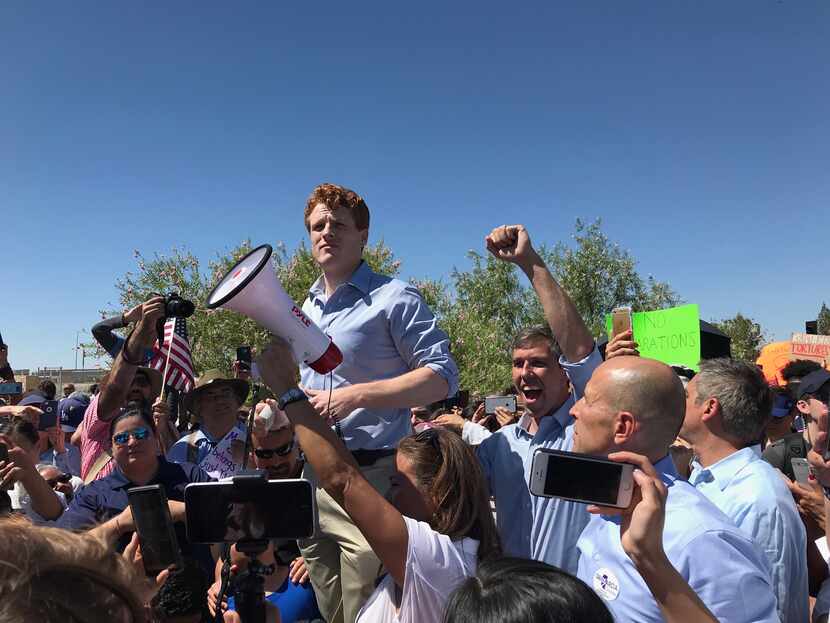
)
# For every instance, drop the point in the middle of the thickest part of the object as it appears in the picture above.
(125, 351)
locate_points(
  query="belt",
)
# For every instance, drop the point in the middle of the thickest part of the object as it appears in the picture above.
(365, 458)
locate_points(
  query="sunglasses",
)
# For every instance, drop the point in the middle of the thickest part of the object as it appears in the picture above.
(267, 453)
(139, 434)
(63, 478)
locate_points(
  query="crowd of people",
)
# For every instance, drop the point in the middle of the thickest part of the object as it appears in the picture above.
(424, 510)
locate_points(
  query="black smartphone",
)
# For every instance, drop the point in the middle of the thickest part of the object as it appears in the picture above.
(221, 512)
(581, 478)
(243, 356)
(159, 545)
(4, 453)
(49, 418)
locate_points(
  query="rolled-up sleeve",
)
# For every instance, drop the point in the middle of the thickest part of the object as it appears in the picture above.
(421, 343)
(579, 372)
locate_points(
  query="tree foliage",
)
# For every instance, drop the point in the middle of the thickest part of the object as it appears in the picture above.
(747, 336)
(824, 320)
(480, 308)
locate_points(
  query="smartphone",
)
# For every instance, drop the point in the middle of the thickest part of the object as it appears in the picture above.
(49, 418)
(243, 356)
(581, 478)
(159, 545)
(801, 469)
(620, 320)
(491, 402)
(222, 512)
(11, 389)
(4, 453)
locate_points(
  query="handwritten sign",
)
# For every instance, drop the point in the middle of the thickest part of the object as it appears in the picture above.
(668, 335)
(813, 347)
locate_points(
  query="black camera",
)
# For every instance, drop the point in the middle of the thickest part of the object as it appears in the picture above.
(177, 307)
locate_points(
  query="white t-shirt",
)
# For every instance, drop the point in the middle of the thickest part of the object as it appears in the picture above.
(435, 566)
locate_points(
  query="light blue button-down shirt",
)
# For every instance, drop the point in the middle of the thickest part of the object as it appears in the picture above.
(384, 329)
(752, 494)
(721, 564)
(536, 527)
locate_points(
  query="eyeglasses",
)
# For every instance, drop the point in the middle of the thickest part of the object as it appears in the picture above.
(63, 478)
(267, 453)
(139, 434)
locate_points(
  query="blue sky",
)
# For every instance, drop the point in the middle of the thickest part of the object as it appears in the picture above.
(698, 132)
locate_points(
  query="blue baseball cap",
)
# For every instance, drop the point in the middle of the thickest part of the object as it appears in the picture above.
(72, 411)
(32, 398)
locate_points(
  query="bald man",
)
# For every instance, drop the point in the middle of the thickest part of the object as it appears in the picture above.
(637, 405)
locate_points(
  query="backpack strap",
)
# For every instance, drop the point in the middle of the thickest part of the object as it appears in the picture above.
(103, 459)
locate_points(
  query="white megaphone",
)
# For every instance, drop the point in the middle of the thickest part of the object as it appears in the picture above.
(257, 293)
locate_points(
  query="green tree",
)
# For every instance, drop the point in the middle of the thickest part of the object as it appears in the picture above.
(746, 334)
(599, 276)
(824, 320)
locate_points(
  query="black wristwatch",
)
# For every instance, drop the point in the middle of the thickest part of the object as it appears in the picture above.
(295, 394)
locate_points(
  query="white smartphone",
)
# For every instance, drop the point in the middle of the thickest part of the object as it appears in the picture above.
(491, 402)
(801, 469)
(581, 478)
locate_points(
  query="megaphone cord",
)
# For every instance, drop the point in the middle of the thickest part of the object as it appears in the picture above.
(337, 428)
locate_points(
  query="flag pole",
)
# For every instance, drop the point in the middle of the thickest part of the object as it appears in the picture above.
(167, 363)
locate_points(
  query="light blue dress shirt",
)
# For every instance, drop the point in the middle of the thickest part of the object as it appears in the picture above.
(753, 495)
(384, 329)
(537, 527)
(721, 564)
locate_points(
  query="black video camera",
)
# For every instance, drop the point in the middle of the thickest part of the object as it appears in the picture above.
(177, 307)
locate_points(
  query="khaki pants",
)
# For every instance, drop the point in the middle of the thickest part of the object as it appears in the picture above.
(341, 565)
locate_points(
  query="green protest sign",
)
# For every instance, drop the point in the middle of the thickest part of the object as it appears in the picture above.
(668, 335)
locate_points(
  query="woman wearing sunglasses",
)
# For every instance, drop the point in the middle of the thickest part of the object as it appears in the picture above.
(135, 453)
(438, 526)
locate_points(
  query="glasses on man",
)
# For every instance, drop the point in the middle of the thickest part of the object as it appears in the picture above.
(61, 479)
(139, 434)
(268, 453)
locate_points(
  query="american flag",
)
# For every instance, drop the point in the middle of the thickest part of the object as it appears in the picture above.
(180, 372)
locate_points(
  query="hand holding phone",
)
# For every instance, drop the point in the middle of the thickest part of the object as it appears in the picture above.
(49, 417)
(581, 478)
(505, 402)
(243, 357)
(154, 526)
(801, 470)
(620, 320)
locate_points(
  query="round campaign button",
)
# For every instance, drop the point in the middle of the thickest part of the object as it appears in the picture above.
(606, 584)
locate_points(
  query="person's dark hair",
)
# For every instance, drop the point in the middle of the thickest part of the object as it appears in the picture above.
(796, 370)
(335, 197)
(447, 470)
(538, 333)
(25, 430)
(134, 409)
(93, 389)
(182, 594)
(5, 504)
(517, 590)
(742, 392)
(48, 389)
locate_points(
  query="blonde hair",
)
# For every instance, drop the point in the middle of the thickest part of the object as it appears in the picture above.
(50, 575)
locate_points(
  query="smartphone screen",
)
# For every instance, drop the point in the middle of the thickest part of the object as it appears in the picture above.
(581, 478)
(801, 470)
(49, 418)
(159, 545)
(218, 512)
(243, 356)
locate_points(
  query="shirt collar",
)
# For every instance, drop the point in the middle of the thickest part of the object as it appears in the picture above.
(561, 416)
(361, 279)
(725, 470)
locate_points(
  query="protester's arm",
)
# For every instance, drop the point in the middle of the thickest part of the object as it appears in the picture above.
(114, 393)
(29, 413)
(641, 536)
(19, 468)
(417, 387)
(338, 473)
(511, 243)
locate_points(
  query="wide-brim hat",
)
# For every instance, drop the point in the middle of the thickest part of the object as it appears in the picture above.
(155, 378)
(214, 378)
